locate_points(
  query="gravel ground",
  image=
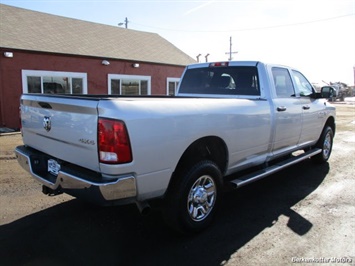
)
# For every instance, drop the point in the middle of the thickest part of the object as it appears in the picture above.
(303, 215)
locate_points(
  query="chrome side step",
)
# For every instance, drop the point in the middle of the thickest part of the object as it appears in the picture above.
(249, 178)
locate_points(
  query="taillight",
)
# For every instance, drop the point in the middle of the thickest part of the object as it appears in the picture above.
(113, 141)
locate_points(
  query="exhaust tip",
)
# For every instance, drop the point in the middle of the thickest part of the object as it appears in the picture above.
(143, 207)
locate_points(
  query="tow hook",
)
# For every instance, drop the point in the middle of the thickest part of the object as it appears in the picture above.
(51, 192)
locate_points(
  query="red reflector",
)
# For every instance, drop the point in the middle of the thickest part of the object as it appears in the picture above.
(219, 64)
(113, 141)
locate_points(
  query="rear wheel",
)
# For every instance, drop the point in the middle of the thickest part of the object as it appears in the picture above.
(191, 201)
(325, 143)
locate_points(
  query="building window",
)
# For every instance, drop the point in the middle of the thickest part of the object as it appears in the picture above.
(172, 84)
(51, 82)
(128, 85)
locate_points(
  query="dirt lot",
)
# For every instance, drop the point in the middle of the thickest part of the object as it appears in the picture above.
(303, 213)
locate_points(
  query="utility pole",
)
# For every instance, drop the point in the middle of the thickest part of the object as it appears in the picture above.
(230, 50)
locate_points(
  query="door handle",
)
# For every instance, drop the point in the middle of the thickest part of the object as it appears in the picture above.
(281, 108)
(306, 107)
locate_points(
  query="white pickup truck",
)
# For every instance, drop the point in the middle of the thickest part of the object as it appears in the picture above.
(227, 118)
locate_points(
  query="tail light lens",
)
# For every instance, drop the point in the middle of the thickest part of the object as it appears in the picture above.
(113, 141)
(219, 64)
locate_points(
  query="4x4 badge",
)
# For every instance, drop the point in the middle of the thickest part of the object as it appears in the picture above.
(47, 124)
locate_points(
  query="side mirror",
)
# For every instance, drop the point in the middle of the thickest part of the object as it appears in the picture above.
(327, 92)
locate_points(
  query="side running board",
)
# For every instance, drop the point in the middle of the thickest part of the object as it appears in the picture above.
(249, 178)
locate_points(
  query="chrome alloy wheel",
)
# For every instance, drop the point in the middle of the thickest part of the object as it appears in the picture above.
(201, 198)
(327, 145)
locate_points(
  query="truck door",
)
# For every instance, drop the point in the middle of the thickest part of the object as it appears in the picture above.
(313, 110)
(288, 112)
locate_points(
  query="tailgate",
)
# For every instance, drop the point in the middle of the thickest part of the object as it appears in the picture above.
(63, 127)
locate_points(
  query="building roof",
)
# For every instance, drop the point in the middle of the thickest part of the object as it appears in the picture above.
(35, 31)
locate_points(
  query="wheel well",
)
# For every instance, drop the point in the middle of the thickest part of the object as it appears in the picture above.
(207, 148)
(331, 122)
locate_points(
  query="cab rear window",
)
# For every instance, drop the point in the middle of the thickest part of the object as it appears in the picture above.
(221, 80)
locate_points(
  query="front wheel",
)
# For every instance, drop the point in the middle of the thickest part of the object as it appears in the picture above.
(325, 143)
(191, 201)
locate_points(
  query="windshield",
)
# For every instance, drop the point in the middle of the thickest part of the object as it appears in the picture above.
(221, 80)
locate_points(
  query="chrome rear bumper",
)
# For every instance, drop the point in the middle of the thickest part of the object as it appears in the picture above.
(85, 183)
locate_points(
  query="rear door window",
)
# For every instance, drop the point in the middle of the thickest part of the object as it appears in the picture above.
(283, 83)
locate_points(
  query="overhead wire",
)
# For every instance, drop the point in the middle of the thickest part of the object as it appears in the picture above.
(248, 29)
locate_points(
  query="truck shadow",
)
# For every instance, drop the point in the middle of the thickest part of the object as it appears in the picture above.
(76, 233)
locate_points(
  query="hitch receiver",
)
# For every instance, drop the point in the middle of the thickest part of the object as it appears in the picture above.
(51, 192)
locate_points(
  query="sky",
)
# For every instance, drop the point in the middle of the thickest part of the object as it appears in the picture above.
(316, 37)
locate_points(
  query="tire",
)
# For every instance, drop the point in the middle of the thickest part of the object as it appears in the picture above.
(325, 143)
(191, 202)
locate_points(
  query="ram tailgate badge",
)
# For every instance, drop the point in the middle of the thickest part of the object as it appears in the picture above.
(47, 124)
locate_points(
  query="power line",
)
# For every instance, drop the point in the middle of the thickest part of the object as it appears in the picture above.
(251, 29)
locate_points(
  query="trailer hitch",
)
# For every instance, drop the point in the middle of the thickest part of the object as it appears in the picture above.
(51, 192)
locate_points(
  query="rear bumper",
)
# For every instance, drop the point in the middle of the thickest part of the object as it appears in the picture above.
(77, 181)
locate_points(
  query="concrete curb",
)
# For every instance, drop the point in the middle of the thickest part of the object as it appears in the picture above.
(9, 133)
